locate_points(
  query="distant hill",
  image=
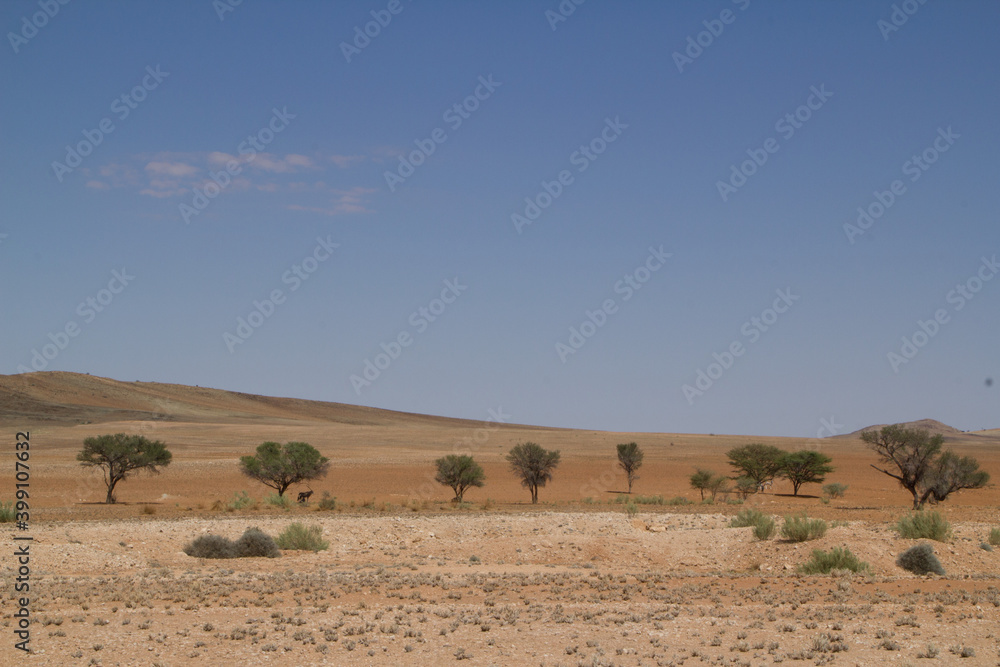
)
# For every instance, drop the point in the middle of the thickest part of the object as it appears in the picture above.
(59, 398)
(934, 427)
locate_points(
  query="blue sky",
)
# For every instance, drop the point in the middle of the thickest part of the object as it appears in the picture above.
(636, 143)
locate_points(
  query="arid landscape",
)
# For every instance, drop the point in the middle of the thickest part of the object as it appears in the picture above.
(411, 578)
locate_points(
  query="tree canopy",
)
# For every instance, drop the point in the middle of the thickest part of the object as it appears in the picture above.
(758, 461)
(120, 455)
(913, 457)
(279, 466)
(805, 467)
(533, 464)
(460, 473)
(630, 457)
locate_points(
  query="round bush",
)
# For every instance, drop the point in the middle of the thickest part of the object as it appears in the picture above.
(256, 544)
(920, 560)
(210, 546)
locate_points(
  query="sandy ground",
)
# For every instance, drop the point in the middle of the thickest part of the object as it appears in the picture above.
(411, 579)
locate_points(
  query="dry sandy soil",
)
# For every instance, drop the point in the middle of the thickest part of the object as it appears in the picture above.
(410, 579)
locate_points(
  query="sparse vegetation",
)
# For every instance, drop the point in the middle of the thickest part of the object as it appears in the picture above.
(746, 518)
(920, 559)
(119, 456)
(460, 472)
(253, 543)
(994, 538)
(802, 529)
(838, 558)
(327, 503)
(533, 465)
(835, 490)
(922, 469)
(630, 460)
(277, 500)
(7, 512)
(279, 466)
(241, 500)
(924, 526)
(705, 480)
(302, 538)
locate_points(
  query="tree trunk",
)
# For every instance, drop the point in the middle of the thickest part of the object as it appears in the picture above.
(110, 499)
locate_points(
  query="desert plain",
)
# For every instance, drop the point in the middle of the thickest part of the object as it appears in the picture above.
(411, 578)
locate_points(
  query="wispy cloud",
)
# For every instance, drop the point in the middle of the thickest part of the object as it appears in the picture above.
(174, 174)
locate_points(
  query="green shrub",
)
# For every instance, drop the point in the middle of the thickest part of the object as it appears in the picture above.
(211, 546)
(920, 559)
(995, 537)
(925, 526)
(275, 500)
(747, 517)
(7, 512)
(677, 500)
(301, 538)
(327, 502)
(764, 528)
(648, 500)
(241, 500)
(801, 528)
(254, 543)
(632, 509)
(834, 490)
(824, 562)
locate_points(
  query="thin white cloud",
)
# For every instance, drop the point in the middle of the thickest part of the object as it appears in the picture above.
(172, 168)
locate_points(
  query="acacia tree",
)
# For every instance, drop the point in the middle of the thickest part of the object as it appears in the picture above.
(459, 472)
(758, 461)
(630, 457)
(922, 469)
(805, 467)
(533, 464)
(280, 466)
(706, 480)
(120, 455)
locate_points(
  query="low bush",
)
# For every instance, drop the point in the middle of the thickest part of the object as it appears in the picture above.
(824, 562)
(302, 538)
(327, 502)
(253, 544)
(747, 517)
(801, 528)
(994, 537)
(834, 490)
(256, 544)
(211, 546)
(275, 500)
(764, 528)
(648, 500)
(240, 501)
(924, 526)
(7, 512)
(920, 559)
(677, 500)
